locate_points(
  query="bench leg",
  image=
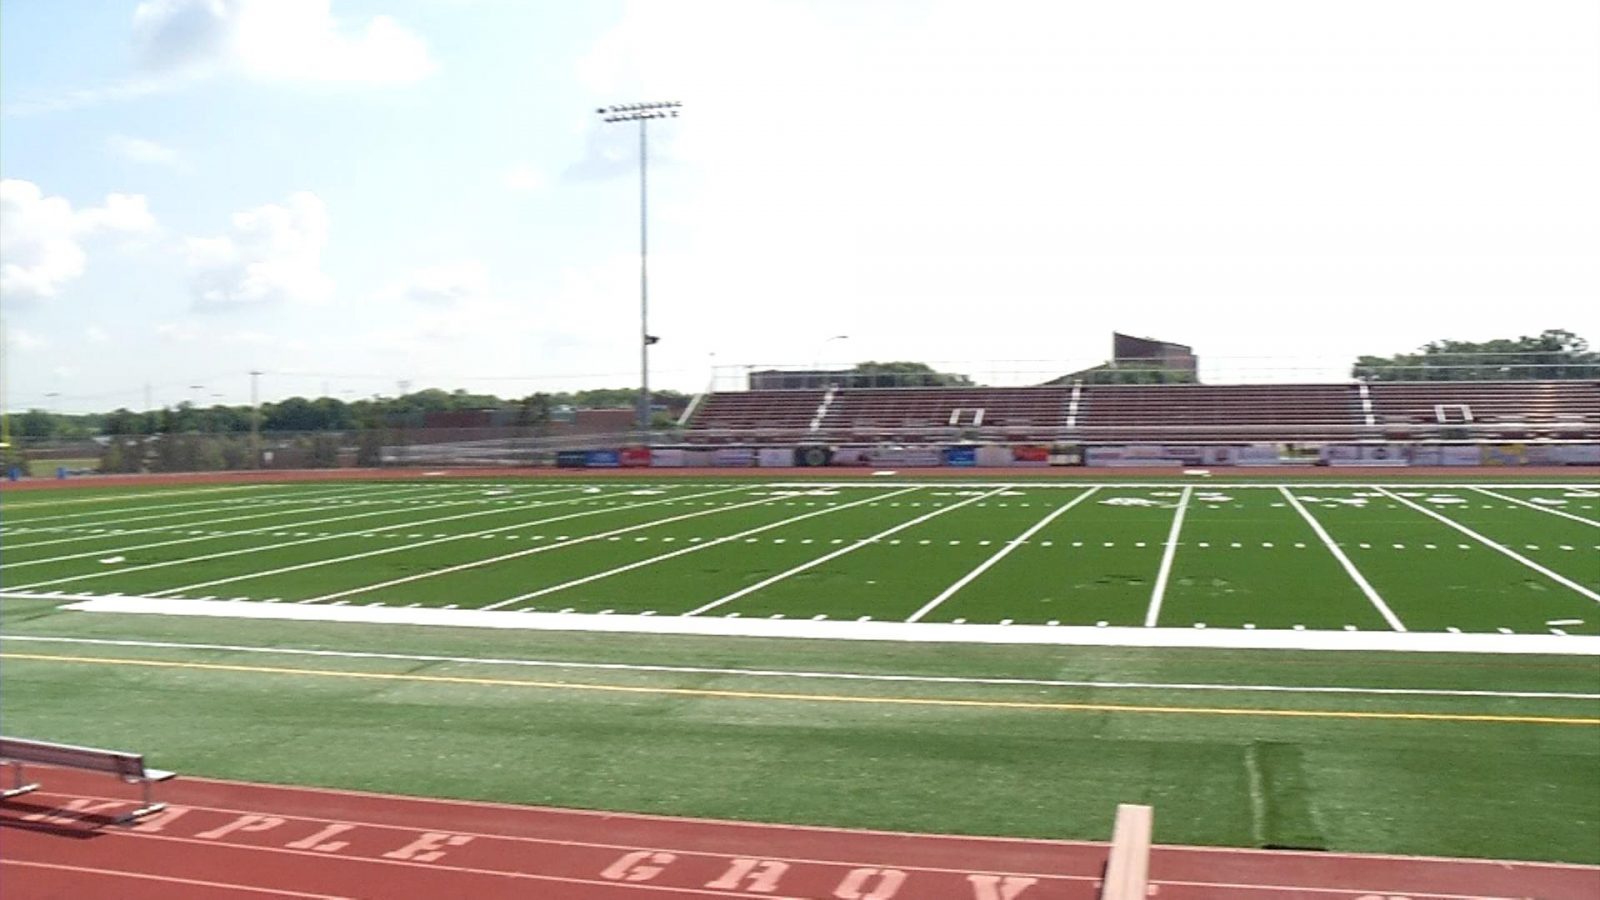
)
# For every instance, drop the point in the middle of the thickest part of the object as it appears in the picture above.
(17, 788)
(148, 808)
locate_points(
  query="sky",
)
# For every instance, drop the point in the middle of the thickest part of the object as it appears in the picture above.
(359, 198)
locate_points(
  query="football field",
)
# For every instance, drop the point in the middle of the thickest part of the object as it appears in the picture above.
(1467, 558)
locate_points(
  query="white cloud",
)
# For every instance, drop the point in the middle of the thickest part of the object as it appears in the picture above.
(143, 151)
(295, 40)
(41, 237)
(22, 339)
(449, 284)
(524, 178)
(272, 254)
(94, 334)
(178, 332)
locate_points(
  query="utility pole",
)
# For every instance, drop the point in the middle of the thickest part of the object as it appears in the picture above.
(255, 419)
(643, 113)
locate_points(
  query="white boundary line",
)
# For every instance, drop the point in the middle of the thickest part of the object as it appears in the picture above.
(687, 550)
(804, 674)
(175, 491)
(1000, 554)
(766, 582)
(170, 879)
(407, 546)
(850, 630)
(208, 537)
(1544, 509)
(214, 502)
(573, 542)
(1553, 576)
(279, 546)
(1153, 614)
(1349, 567)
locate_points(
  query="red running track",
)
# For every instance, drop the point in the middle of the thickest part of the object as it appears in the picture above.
(229, 839)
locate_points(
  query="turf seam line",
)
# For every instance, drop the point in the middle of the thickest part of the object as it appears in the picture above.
(802, 674)
(1485, 718)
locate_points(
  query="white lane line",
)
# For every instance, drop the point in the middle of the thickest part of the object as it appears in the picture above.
(984, 566)
(1153, 614)
(850, 548)
(1349, 567)
(113, 498)
(220, 504)
(573, 542)
(702, 546)
(266, 547)
(1553, 576)
(1544, 509)
(809, 674)
(204, 523)
(439, 539)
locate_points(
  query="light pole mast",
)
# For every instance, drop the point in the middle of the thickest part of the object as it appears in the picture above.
(643, 113)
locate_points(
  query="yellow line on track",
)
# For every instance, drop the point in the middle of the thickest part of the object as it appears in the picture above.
(810, 698)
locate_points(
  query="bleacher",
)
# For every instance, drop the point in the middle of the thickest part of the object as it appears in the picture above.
(1196, 412)
(1510, 409)
(1154, 412)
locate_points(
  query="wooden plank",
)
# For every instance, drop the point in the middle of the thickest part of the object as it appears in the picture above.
(1128, 867)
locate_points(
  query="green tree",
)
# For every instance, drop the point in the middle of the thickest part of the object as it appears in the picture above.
(1553, 354)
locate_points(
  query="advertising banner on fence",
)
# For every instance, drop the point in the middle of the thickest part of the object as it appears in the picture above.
(1257, 455)
(603, 459)
(1364, 455)
(1564, 455)
(572, 459)
(775, 457)
(812, 457)
(850, 456)
(667, 458)
(1504, 454)
(1066, 455)
(732, 457)
(633, 457)
(1219, 456)
(965, 457)
(1134, 455)
(992, 456)
(905, 457)
(1030, 455)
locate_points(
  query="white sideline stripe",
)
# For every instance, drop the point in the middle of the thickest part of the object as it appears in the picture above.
(1349, 567)
(111, 498)
(220, 504)
(266, 547)
(581, 539)
(984, 566)
(1544, 509)
(231, 887)
(1153, 614)
(203, 523)
(850, 630)
(840, 552)
(1351, 481)
(1553, 576)
(803, 674)
(315, 563)
(676, 553)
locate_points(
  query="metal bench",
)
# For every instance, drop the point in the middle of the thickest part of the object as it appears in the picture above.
(129, 767)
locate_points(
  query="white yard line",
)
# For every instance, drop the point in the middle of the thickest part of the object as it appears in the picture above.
(1349, 567)
(267, 529)
(582, 539)
(1544, 509)
(278, 546)
(284, 509)
(1553, 576)
(807, 674)
(687, 550)
(399, 548)
(217, 504)
(110, 498)
(840, 552)
(1153, 614)
(1000, 554)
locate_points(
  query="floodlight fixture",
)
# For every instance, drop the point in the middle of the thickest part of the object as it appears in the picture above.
(642, 113)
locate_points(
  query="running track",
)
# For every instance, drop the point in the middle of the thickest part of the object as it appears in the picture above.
(231, 839)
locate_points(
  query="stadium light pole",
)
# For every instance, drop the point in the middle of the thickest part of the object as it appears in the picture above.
(816, 364)
(642, 113)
